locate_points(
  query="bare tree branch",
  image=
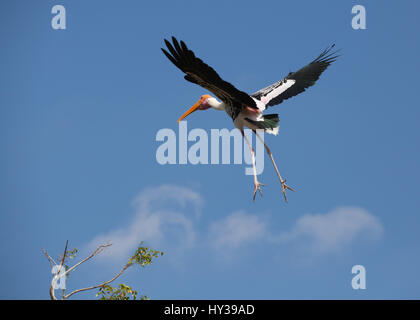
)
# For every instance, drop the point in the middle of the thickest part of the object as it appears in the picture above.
(94, 253)
(99, 285)
(51, 260)
(54, 280)
(60, 274)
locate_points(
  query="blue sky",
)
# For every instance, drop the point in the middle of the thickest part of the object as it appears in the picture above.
(79, 113)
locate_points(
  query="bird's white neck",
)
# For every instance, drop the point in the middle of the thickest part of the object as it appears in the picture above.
(216, 104)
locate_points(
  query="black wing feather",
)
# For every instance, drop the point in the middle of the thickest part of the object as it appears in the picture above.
(200, 73)
(305, 78)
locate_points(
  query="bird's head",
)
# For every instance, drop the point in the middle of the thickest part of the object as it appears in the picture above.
(201, 104)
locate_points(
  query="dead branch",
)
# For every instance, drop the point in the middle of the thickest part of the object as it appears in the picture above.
(99, 285)
(97, 251)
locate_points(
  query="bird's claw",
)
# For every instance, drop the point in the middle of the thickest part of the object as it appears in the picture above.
(257, 185)
(284, 187)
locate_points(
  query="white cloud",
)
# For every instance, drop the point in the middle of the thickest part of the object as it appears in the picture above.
(159, 220)
(333, 231)
(162, 196)
(166, 218)
(235, 230)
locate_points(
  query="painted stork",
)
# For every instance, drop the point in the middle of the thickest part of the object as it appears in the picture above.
(244, 109)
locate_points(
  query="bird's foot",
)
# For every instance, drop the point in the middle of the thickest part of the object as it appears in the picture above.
(257, 185)
(284, 187)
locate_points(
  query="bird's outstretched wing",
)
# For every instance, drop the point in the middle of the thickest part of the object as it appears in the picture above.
(296, 82)
(200, 73)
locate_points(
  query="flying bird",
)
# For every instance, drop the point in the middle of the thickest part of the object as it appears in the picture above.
(246, 110)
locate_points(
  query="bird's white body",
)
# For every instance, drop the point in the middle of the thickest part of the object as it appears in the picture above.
(246, 113)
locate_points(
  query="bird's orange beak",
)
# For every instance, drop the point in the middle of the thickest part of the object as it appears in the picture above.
(192, 109)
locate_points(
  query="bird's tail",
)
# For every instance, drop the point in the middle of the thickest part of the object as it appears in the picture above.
(269, 124)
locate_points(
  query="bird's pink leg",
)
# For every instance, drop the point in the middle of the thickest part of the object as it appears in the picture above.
(284, 186)
(257, 184)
